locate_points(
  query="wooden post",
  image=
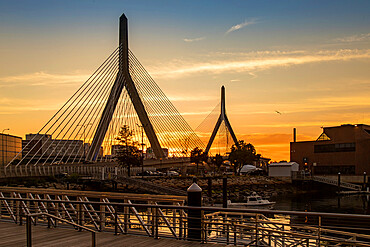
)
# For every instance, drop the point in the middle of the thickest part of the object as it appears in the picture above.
(102, 216)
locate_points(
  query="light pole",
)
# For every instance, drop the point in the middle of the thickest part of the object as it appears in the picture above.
(83, 144)
(142, 148)
(2, 144)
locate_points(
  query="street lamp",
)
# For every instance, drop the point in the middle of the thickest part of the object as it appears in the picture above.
(83, 144)
(2, 144)
(142, 148)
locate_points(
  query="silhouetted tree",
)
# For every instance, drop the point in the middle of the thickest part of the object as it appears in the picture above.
(198, 156)
(242, 154)
(217, 161)
(128, 155)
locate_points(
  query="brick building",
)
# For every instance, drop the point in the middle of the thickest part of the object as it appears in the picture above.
(344, 149)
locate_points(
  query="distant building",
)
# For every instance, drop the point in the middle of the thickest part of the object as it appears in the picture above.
(10, 146)
(44, 147)
(344, 149)
(282, 169)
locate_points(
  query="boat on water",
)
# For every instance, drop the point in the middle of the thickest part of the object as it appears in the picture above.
(252, 201)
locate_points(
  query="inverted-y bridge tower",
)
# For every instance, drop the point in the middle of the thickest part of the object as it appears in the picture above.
(123, 79)
(221, 118)
(119, 93)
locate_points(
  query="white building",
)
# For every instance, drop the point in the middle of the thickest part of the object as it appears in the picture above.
(282, 169)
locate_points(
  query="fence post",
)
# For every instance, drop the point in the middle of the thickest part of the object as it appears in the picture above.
(194, 215)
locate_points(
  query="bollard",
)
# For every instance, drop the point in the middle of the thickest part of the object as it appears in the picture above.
(194, 215)
(338, 182)
(224, 193)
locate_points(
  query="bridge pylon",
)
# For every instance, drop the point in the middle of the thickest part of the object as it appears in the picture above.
(221, 118)
(123, 79)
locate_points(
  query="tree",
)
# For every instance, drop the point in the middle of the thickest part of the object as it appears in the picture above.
(129, 154)
(217, 161)
(242, 154)
(197, 156)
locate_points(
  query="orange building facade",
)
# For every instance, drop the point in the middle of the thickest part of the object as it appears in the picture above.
(344, 149)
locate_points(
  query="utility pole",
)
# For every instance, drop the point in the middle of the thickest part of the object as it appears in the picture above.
(83, 144)
(2, 144)
(142, 149)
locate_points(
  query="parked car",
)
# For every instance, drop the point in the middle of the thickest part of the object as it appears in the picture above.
(145, 173)
(172, 173)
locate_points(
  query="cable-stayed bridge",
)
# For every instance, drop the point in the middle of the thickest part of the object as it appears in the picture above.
(119, 93)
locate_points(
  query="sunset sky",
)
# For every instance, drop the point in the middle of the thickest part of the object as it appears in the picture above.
(307, 60)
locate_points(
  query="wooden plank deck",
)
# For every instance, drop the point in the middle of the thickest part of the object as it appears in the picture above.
(15, 235)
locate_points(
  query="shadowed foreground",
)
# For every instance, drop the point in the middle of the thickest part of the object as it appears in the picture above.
(15, 235)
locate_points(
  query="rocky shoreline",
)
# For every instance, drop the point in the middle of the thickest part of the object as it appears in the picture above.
(238, 187)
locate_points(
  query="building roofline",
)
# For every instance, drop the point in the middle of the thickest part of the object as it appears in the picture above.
(11, 136)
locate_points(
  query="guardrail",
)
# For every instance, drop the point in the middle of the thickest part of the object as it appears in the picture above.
(29, 224)
(248, 227)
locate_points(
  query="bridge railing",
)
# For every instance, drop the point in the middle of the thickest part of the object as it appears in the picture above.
(165, 218)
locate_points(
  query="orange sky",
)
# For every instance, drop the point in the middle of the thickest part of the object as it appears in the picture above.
(311, 66)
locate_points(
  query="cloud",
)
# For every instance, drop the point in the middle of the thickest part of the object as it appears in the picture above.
(195, 39)
(240, 26)
(42, 79)
(258, 62)
(354, 38)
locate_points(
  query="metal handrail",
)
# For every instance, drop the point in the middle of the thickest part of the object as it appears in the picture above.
(236, 210)
(176, 225)
(29, 232)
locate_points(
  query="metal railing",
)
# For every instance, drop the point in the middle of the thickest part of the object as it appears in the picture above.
(248, 227)
(48, 216)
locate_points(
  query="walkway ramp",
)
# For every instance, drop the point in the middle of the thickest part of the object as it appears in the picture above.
(15, 235)
(343, 185)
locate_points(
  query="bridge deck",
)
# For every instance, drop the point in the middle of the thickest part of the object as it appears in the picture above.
(15, 235)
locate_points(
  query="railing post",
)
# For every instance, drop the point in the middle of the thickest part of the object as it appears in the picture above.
(48, 210)
(156, 222)
(319, 233)
(227, 234)
(102, 215)
(20, 216)
(126, 211)
(194, 215)
(256, 229)
(28, 231)
(115, 221)
(234, 228)
(365, 182)
(93, 239)
(181, 224)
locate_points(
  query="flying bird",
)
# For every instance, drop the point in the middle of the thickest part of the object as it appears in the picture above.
(278, 112)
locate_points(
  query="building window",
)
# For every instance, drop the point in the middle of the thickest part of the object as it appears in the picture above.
(348, 170)
(339, 147)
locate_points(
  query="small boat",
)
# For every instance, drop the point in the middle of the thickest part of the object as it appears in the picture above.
(253, 201)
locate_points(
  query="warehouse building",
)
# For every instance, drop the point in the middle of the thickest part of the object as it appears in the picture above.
(344, 149)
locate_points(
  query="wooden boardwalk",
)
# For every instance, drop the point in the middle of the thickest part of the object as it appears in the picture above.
(14, 235)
